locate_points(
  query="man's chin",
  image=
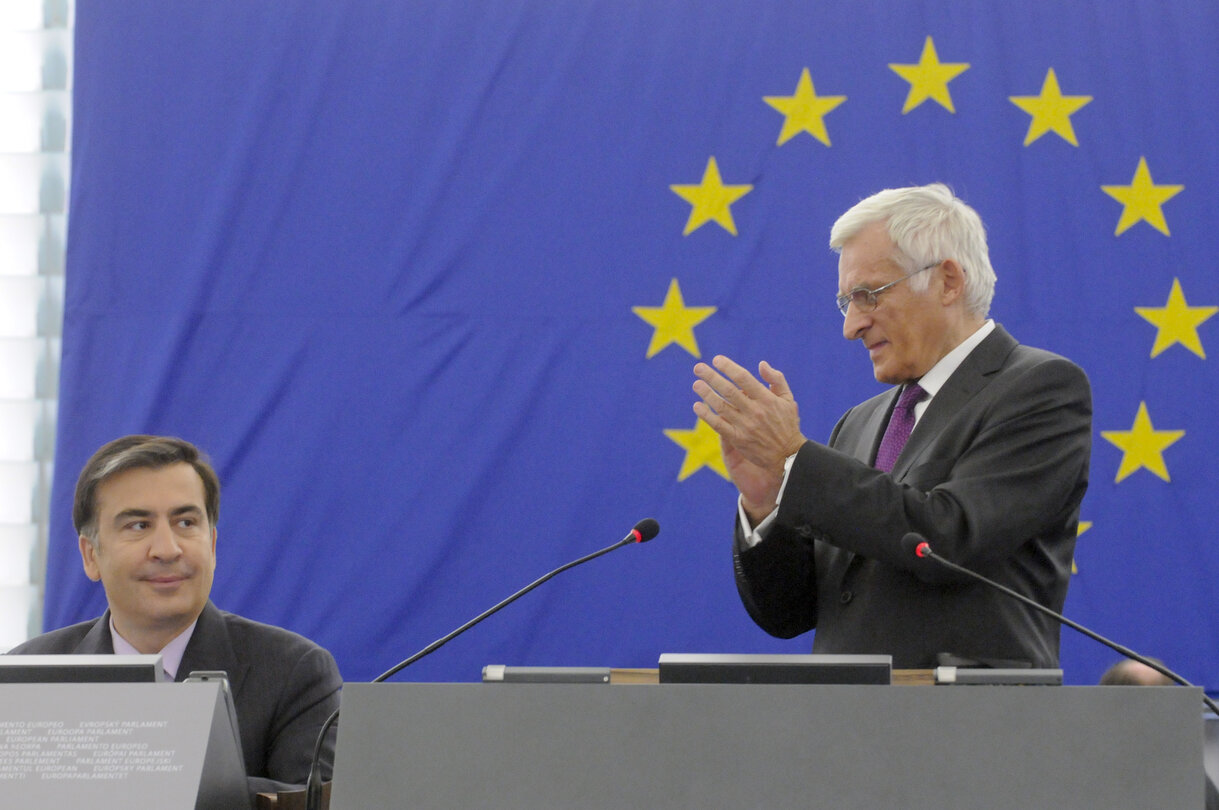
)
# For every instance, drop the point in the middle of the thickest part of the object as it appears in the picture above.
(168, 609)
(882, 375)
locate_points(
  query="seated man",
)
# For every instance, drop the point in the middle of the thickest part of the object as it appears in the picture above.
(1127, 672)
(145, 509)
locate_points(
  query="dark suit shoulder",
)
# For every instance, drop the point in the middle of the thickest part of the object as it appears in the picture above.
(63, 640)
(1031, 356)
(1000, 351)
(247, 634)
(1042, 373)
(271, 649)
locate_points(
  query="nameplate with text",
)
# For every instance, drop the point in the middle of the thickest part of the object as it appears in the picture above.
(109, 745)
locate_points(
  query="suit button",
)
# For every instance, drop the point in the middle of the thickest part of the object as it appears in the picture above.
(846, 597)
(805, 531)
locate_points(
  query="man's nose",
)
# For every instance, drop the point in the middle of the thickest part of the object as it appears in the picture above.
(855, 322)
(164, 544)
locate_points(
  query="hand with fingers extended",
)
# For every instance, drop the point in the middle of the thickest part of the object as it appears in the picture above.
(758, 425)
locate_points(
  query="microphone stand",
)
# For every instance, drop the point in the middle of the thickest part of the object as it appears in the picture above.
(644, 531)
(923, 549)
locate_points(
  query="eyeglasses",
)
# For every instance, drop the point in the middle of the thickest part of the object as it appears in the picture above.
(865, 299)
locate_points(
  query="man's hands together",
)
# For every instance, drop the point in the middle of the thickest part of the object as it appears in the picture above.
(758, 425)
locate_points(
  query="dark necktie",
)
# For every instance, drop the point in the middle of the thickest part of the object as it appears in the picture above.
(901, 422)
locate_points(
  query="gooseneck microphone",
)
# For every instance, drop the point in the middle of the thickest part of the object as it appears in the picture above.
(644, 531)
(916, 545)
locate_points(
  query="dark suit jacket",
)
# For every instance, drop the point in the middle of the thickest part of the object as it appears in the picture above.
(992, 477)
(284, 686)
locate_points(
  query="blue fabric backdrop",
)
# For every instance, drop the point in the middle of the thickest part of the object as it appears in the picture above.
(401, 268)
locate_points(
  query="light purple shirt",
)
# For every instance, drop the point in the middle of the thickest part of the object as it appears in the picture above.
(171, 654)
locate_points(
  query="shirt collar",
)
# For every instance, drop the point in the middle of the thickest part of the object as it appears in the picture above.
(934, 380)
(171, 654)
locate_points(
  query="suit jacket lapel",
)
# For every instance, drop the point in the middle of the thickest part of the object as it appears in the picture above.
(974, 374)
(864, 447)
(876, 425)
(98, 640)
(210, 648)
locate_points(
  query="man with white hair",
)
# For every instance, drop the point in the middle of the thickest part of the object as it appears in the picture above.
(981, 446)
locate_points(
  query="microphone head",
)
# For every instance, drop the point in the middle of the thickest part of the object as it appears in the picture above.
(645, 530)
(915, 545)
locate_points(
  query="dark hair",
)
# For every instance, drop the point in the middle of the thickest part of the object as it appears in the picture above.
(135, 452)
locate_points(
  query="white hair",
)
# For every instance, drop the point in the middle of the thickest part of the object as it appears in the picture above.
(927, 225)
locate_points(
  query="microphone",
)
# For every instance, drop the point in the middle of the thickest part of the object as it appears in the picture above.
(643, 531)
(914, 544)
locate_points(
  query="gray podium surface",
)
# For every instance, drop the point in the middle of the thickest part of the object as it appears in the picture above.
(535, 746)
(118, 746)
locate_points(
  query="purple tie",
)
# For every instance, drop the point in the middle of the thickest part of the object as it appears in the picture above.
(901, 422)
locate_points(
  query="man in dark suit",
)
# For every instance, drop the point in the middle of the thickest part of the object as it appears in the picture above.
(146, 509)
(982, 447)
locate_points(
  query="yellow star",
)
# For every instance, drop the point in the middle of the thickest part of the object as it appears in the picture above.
(1177, 321)
(702, 446)
(804, 110)
(1142, 445)
(1142, 200)
(674, 321)
(1051, 110)
(929, 78)
(1084, 525)
(710, 199)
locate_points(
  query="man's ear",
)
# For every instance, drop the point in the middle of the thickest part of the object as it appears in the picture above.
(88, 557)
(952, 277)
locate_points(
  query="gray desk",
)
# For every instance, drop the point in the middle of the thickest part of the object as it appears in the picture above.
(507, 746)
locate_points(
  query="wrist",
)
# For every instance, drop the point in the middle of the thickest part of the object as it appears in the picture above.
(757, 512)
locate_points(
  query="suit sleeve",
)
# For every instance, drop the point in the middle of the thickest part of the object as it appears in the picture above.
(310, 695)
(777, 578)
(777, 581)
